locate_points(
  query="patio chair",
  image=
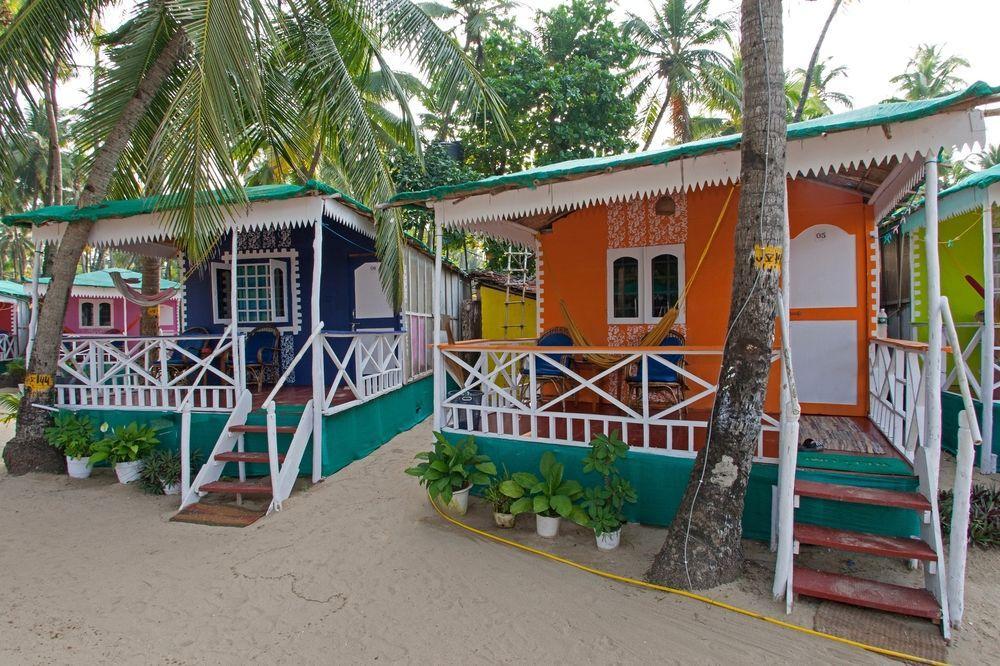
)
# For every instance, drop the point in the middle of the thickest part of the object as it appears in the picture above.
(662, 379)
(547, 374)
(266, 340)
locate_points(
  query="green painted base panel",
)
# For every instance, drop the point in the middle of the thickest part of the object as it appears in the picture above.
(660, 481)
(348, 436)
(951, 405)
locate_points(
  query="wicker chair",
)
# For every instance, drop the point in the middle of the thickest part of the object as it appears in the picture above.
(267, 341)
(662, 379)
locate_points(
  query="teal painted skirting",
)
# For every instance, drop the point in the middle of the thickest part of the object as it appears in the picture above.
(951, 405)
(348, 436)
(660, 481)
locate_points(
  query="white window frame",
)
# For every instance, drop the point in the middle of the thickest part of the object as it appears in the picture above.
(284, 262)
(97, 313)
(645, 256)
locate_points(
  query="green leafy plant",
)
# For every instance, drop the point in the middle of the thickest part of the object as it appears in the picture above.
(126, 443)
(551, 496)
(10, 405)
(72, 434)
(495, 496)
(984, 515)
(16, 369)
(605, 504)
(450, 467)
(163, 468)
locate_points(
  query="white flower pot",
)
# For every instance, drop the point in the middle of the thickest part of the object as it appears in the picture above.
(78, 468)
(503, 519)
(609, 540)
(459, 503)
(546, 526)
(171, 488)
(128, 471)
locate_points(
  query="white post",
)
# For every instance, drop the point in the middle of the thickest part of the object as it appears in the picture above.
(33, 317)
(987, 460)
(538, 286)
(439, 378)
(234, 311)
(318, 376)
(185, 450)
(958, 544)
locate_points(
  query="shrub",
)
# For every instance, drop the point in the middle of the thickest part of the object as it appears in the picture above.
(551, 496)
(126, 444)
(450, 467)
(984, 515)
(72, 434)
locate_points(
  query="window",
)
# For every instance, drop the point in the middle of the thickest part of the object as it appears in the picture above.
(261, 291)
(644, 283)
(95, 314)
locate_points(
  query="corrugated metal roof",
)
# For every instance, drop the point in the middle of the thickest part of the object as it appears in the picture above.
(103, 279)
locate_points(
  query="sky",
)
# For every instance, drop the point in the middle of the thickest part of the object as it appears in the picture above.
(874, 39)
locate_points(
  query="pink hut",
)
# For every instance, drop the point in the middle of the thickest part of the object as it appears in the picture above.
(97, 306)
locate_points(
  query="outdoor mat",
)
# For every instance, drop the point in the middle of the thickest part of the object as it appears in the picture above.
(218, 515)
(838, 433)
(914, 636)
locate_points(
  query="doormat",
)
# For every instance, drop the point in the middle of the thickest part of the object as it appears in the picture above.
(218, 515)
(913, 636)
(838, 433)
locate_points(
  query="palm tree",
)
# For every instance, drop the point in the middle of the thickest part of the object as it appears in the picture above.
(678, 52)
(818, 103)
(809, 73)
(187, 83)
(930, 73)
(988, 157)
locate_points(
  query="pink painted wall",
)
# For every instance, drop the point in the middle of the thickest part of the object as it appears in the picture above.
(123, 314)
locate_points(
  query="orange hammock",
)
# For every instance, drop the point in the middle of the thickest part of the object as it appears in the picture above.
(655, 336)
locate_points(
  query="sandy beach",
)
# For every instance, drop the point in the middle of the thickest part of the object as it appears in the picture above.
(361, 569)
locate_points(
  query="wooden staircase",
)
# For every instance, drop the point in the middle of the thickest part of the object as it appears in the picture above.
(919, 602)
(229, 448)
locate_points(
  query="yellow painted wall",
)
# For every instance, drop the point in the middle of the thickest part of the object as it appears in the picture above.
(493, 315)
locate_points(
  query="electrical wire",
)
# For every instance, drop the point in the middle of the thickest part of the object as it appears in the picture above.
(690, 595)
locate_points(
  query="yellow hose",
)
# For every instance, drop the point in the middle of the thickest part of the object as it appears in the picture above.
(690, 595)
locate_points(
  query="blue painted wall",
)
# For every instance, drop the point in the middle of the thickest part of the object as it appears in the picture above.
(343, 250)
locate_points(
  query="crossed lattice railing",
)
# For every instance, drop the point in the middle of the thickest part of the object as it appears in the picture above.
(366, 364)
(896, 392)
(148, 373)
(553, 395)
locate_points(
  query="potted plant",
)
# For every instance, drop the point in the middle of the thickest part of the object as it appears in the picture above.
(605, 503)
(551, 499)
(161, 472)
(450, 470)
(126, 447)
(500, 502)
(73, 435)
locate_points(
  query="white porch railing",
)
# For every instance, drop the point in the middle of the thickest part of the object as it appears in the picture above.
(8, 347)
(370, 366)
(896, 393)
(418, 352)
(973, 350)
(501, 396)
(160, 372)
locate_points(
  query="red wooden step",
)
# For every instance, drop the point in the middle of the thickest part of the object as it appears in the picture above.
(860, 542)
(286, 430)
(247, 457)
(858, 495)
(866, 593)
(252, 487)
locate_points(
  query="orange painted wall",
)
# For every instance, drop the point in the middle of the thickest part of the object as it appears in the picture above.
(575, 254)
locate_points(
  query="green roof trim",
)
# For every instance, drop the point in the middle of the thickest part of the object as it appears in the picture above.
(13, 289)
(118, 208)
(870, 116)
(965, 195)
(103, 280)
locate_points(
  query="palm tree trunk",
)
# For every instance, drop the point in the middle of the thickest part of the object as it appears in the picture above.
(807, 83)
(29, 451)
(702, 547)
(149, 322)
(680, 118)
(656, 123)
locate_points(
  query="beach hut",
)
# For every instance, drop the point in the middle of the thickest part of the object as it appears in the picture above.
(287, 339)
(97, 306)
(507, 305)
(967, 241)
(14, 316)
(634, 257)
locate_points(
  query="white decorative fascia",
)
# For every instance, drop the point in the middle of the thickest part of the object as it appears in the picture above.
(811, 157)
(152, 227)
(333, 207)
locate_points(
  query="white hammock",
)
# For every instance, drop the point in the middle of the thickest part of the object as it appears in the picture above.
(137, 297)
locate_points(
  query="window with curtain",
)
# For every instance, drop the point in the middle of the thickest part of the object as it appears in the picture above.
(625, 292)
(104, 315)
(87, 314)
(664, 283)
(261, 292)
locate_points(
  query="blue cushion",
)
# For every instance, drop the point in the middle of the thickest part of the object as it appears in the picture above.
(542, 367)
(659, 373)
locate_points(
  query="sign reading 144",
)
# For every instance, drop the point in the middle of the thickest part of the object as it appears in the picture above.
(37, 382)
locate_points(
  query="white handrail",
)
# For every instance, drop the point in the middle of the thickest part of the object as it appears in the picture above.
(787, 461)
(278, 385)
